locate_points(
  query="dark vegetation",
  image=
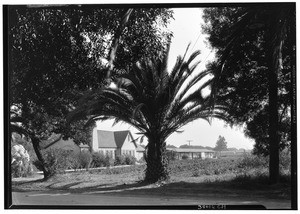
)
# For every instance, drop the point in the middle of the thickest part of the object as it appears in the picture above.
(57, 161)
(243, 176)
(52, 65)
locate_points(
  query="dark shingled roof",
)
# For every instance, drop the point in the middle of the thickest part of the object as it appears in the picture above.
(109, 139)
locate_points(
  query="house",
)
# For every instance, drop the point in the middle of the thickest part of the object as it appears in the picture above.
(192, 153)
(113, 143)
(59, 143)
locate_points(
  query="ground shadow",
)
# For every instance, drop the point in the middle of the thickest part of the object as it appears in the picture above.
(188, 189)
(231, 188)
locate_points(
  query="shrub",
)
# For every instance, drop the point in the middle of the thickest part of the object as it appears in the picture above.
(196, 173)
(249, 161)
(98, 159)
(109, 161)
(56, 161)
(84, 159)
(52, 162)
(285, 159)
(119, 160)
(130, 160)
(21, 169)
(184, 157)
(20, 165)
(171, 155)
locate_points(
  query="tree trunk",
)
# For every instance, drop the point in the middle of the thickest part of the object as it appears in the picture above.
(116, 40)
(274, 65)
(292, 50)
(157, 162)
(273, 128)
(37, 149)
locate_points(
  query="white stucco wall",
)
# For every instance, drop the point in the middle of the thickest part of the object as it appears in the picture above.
(95, 140)
(129, 147)
(108, 151)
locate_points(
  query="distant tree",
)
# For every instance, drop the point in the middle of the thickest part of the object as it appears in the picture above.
(221, 144)
(171, 146)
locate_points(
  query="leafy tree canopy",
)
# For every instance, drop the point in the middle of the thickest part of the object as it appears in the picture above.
(243, 85)
(56, 55)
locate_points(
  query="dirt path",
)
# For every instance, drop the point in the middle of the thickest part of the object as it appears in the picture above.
(116, 199)
(103, 190)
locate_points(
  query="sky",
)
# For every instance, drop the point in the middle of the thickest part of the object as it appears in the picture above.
(186, 28)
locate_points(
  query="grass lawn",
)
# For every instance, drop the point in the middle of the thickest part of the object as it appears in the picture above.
(189, 178)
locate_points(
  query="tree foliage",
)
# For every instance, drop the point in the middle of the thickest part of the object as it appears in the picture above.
(268, 30)
(221, 144)
(243, 84)
(56, 54)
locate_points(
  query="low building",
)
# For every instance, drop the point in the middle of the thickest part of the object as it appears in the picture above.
(192, 153)
(113, 143)
(68, 145)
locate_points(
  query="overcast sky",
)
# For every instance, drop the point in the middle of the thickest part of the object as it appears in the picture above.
(187, 29)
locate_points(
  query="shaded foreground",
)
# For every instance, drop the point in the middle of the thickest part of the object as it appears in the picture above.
(187, 187)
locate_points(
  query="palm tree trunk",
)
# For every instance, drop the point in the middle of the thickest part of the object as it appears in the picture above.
(157, 162)
(37, 149)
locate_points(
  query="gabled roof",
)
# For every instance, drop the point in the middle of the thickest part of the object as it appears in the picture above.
(106, 139)
(120, 137)
(109, 139)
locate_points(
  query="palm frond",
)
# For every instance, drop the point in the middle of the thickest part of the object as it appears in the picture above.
(150, 99)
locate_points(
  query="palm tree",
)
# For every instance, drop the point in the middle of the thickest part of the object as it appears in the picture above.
(277, 21)
(155, 102)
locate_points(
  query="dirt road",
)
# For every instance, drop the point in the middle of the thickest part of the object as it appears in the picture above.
(57, 198)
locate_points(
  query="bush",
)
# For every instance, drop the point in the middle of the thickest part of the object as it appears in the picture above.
(130, 160)
(119, 160)
(101, 160)
(285, 159)
(20, 165)
(23, 169)
(249, 161)
(84, 159)
(109, 161)
(184, 157)
(171, 155)
(57, 160)
(98, 159)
